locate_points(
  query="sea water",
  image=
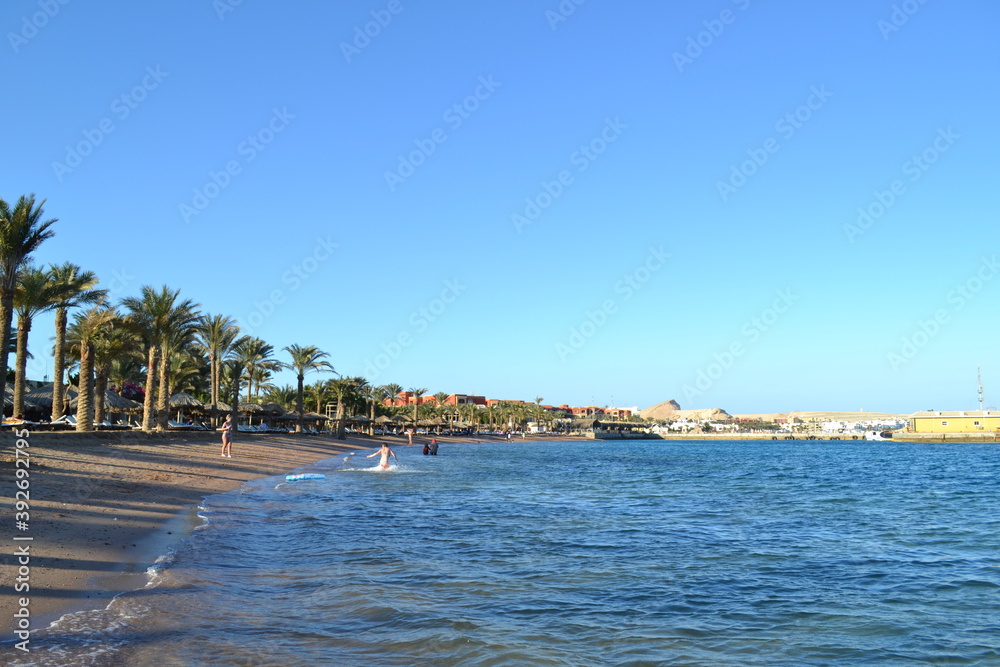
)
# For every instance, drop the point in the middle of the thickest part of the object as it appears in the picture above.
(580, 553)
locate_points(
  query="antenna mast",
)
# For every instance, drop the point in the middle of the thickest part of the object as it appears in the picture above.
(979, 376)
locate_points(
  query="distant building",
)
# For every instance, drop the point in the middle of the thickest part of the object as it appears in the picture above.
(963, 421)
(465, 399)
(407, 398)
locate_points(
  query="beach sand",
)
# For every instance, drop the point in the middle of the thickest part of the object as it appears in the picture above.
(104, 506)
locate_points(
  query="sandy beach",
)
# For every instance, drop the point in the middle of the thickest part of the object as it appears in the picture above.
(104, 505)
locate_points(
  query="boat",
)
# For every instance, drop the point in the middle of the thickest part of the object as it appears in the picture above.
(878, 435)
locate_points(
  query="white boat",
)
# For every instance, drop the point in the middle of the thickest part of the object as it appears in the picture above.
(878, 435)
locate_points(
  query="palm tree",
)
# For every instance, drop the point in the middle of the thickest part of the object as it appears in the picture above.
(319, 392)
(35, 293)
(416, 393)
(77, 290)
(87, 327)
(21, 232)
(253, 355)
(283, 396)
(393, 390)
(187, 372)
(375, 395)
(217, 335)
(165, 324)
(260, 380)
(341, 387)
(115, 342)
(305, 359)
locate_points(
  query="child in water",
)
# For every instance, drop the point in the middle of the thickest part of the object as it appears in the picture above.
(385, 452)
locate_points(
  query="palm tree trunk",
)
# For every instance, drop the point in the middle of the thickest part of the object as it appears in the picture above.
(100, 393)
(6, 316)
(163, 396)
(21, 365)
(298, 404)
(213, 371)
(340, 418)
(235, 406)
(59, 365)
(85, 400)
(147, 405)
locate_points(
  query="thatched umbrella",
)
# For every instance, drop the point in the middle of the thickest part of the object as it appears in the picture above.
(111, 400)
(274, 408)
(42, 396)
(251, 409)
(183, 400)
(120, 403)
(382, 419)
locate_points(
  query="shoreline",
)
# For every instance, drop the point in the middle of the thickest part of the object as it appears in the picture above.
(104, 506)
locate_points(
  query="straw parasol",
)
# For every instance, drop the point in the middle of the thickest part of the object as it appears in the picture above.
(41, 396)
(112, 401)
(183, 400)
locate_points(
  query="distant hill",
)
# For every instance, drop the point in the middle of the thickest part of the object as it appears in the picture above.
(672, 410)
(664, 410)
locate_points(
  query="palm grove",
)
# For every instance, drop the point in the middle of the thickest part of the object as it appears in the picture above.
(154, 345)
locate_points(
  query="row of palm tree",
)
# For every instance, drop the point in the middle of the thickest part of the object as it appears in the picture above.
(164, 343)
(157, 332)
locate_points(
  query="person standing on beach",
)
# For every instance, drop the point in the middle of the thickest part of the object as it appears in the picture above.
(385, 452)
(227, 438)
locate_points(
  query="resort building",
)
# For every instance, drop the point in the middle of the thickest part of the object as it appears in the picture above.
(963, 421)
(465, 399)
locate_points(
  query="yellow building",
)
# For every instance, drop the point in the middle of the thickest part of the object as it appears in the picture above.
(964, 421)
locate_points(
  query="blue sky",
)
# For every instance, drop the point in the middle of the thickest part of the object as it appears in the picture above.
(756, 206)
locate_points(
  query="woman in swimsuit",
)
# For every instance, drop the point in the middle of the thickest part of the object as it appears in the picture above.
(385, 452)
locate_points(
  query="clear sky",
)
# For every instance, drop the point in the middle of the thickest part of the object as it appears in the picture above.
(759, 206)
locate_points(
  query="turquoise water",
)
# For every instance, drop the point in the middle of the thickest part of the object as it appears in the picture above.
(588, 553)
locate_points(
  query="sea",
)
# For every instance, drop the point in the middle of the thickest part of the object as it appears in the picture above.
(578, 553)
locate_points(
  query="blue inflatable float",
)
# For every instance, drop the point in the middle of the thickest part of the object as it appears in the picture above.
(304, 475)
